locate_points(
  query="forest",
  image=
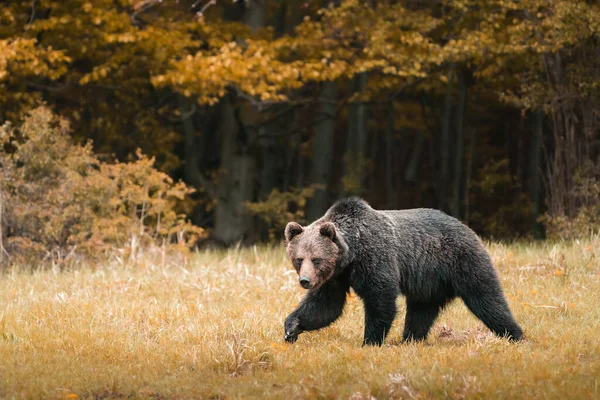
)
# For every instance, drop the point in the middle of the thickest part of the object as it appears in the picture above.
(218, 122)
(153, 151)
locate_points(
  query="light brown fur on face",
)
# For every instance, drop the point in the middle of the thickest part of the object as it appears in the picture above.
(312, 251)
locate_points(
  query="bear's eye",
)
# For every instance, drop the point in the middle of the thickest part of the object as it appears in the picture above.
(317, 261)
(298, 262)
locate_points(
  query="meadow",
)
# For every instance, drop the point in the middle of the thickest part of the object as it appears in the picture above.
(210, 326)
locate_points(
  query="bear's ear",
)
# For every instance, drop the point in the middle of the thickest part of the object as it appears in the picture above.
(328, 230)
(291, 230)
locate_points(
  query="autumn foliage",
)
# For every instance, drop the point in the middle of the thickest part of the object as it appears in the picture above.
(425, 101)
(279, 208)
(59, 198)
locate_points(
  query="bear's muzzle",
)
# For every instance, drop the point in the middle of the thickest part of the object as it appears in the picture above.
(305, 282)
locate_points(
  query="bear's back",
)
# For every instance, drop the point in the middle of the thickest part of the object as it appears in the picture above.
(425, 227)
(430, 223)
(428, 218)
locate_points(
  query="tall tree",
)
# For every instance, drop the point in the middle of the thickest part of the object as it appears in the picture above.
(238, 156)
(534, 171)
(322, 151)
(356, 140)
(457, 177)
(155, 75)
(235, 185)
(443, 147)
(389, 157)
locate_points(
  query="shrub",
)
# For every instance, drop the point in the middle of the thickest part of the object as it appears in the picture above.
(586, 195)
(509, 218)
(279, 208)
(57, 198)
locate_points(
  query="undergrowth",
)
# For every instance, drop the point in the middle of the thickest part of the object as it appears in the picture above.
(59, 200)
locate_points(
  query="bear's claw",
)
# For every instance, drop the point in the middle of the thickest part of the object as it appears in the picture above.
(292, 329)
(290, 337)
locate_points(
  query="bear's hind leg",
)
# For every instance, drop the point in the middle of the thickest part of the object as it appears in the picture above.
(492, 309)
(419, 320)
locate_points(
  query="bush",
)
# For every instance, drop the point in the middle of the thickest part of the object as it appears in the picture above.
(509, 218)
(279, 208)
(586, 195)
(57, 198)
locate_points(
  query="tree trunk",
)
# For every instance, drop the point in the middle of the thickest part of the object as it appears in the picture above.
(443, 151)
(389, 156)
(430, 120)
(411, 174)
(567, 157)
(236, 182)
(459, 147)
(291, 153)
(276, 151)
(470, 164)
(281, 17)
(301, 171)
(254, 16)
(192, 154)
(322, 150)
(522, 156)
(297, 15)
(374, 140)
(270, 170)
(355, 146)
(534, 172)
(238, 167)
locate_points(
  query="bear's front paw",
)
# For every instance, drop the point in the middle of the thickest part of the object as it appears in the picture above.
(291, 337)
(292, 330)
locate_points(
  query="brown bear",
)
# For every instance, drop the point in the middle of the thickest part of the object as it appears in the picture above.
(424, 254)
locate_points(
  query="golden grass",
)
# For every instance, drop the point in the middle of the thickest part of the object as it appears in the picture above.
(213, 327)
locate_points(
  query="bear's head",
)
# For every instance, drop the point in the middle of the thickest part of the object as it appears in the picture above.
(316, 251)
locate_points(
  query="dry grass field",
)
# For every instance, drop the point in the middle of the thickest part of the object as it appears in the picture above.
(212, 328)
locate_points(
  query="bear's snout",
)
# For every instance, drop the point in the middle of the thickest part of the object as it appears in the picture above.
(305, 282)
